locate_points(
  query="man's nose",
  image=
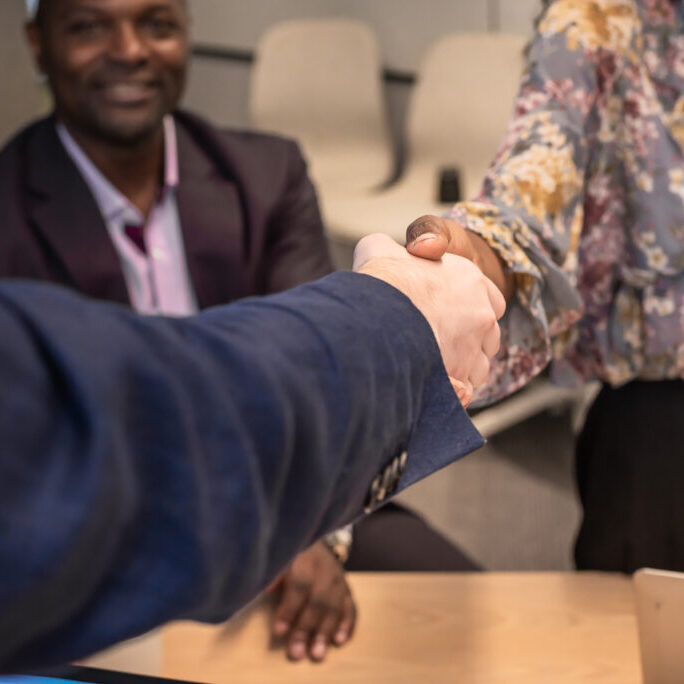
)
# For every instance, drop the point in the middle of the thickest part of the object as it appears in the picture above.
(127, 45)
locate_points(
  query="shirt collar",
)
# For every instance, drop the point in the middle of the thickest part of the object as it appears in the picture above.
(170, 153)
(110, 200)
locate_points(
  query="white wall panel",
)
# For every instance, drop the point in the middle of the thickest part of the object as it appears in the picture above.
(516, 16)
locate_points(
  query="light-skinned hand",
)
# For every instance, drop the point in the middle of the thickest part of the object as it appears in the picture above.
(461, 304)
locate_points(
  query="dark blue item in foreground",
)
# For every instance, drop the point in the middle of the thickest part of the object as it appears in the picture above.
(154, 469)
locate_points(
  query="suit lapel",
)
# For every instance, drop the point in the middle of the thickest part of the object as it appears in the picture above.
(66, 215)
(213, 225)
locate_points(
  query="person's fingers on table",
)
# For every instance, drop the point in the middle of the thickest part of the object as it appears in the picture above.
(345, 629)
(295, 592)
(320, 572)
(330, 623)
(307, 623)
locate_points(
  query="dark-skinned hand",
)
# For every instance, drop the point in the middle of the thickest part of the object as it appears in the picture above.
(430, 237)
(314, 605)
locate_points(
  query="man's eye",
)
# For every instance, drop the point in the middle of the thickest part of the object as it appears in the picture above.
(84, 27)
(161, 27)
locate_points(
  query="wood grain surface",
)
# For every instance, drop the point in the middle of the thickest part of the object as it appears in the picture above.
(489, 628)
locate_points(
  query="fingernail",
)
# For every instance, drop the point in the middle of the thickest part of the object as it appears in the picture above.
(340, 637)
(297, 650)
(281, 627)
(319, 649)
(425, 237)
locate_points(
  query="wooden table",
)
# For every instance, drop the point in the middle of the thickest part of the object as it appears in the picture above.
(490, 628)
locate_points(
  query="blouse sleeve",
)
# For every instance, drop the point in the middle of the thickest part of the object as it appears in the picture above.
(531, 208)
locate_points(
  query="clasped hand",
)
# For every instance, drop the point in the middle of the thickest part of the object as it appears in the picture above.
(459, 302)
(314, 606)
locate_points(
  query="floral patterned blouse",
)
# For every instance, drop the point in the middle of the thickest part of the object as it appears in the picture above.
(585, 198)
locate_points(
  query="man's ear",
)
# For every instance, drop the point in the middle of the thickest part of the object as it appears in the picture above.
(34, 39)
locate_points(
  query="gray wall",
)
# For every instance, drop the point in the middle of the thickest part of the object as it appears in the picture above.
(405, 29)
(20, 93)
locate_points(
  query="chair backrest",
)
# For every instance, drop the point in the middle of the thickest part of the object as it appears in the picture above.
(320, 81)
(462, 102)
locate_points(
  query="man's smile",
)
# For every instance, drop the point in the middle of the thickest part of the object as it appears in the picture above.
(127, 92)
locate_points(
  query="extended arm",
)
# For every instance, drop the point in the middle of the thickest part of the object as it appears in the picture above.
(155, 468)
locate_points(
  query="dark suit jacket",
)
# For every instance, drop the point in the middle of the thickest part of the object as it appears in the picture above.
(248, 214)
(155, 468)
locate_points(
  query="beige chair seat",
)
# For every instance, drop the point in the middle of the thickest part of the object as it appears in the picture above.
(457, 116)
(349, 216)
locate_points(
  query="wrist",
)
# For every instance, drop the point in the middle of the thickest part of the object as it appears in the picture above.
(491, 264)
(339, 543)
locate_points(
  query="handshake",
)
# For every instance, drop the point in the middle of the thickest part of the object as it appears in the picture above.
(461, 304)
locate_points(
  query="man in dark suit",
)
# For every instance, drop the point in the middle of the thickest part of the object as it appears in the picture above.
(139, 485)
(123, 197)
(116, 196)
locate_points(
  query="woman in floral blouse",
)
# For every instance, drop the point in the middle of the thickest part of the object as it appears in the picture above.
(580, 221)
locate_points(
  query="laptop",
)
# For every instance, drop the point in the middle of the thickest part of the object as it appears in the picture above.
(660, 614)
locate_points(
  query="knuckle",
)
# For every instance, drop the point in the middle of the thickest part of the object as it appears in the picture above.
(298, 585)
(366, 247)
(309, 620)
(321, 604)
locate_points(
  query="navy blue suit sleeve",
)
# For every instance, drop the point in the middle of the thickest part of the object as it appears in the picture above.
(154, 469)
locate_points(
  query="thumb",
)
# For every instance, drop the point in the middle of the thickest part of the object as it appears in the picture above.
(427, 238)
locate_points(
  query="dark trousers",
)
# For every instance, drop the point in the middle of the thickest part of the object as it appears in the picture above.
(394, 538)
(630, 476)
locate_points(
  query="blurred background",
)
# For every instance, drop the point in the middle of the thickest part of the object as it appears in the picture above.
(399, 106)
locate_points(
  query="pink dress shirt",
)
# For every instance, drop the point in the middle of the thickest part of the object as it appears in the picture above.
(158, 282)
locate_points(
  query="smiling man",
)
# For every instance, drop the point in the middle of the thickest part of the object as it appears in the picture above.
(121, 196)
